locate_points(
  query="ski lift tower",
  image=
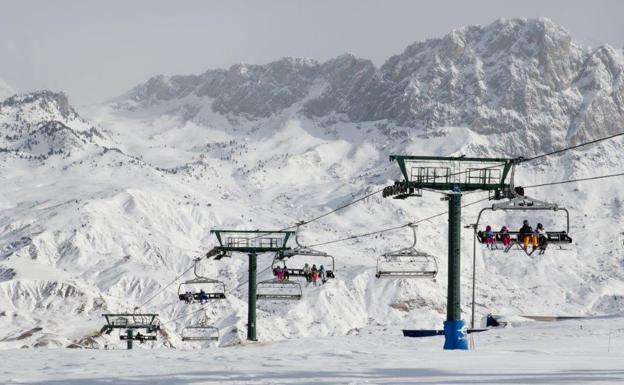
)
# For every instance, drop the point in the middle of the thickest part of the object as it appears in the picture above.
(131, 322)
(453, 176)
(251, 242)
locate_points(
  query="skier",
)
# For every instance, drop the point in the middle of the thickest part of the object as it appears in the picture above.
(279, 273)
(307, 272)
(490, 241)
(527, 235)
(286, 272)
(315, 275)
(323, 274)
(505, 237)
(203, 297)
(542, 237)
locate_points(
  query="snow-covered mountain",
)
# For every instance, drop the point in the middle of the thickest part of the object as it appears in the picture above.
(526, 79)
(99, 213)
(5, 90)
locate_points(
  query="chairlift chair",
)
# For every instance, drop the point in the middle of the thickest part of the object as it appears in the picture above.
(138, 337)
(202, 331)
(407, 263)
(213, 289)
(276, 289)
(303, 251)
(131, 321)
(524, 203)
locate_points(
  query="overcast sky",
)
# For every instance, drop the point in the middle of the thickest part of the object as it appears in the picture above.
(94, 50)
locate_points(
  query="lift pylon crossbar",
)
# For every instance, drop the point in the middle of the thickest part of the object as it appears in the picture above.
(447, 173)
(131, 320)
(252, 241)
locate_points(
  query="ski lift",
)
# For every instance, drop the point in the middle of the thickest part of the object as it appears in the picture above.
(303, 251)
(212, 288)
(201, 331)
(135, 320)
(276, 289)
(407, 263)
(137, 337)
(524, 203)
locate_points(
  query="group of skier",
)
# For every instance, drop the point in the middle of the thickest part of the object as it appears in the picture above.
(526, 235)
(202, 297)
(311, 274)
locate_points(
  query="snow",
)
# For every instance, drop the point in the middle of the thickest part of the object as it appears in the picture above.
(5, 90)
(569, 352)
(99, 231)
(105, 210)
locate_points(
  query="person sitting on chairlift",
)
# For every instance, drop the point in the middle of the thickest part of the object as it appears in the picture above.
(542, 237)
(286, 272)
(315, 275)
(188, 297)
(490, 240)
(139, 337)
(279, 273)
(527, 235)
(203, 297)
(505, 237)
(307, 272)
(323, 274)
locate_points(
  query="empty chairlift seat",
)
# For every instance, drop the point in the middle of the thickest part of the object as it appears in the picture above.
(200, 332)
(407, 263)
(275, 289)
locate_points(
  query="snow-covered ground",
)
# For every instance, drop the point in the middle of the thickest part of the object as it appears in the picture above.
(570, 352)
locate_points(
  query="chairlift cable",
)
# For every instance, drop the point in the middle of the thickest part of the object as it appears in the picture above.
(165, 287)
(203, 308)
(572, 147)
(524, 160)
(575, 180)
(466, 205)
(393, 228)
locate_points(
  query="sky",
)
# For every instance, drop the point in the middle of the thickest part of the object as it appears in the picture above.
(96, 50)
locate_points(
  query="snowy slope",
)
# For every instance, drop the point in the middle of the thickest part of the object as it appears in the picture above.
(572, 352)
(98, 214)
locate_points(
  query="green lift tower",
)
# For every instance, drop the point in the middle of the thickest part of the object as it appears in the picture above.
(453, 176)
(251, 242)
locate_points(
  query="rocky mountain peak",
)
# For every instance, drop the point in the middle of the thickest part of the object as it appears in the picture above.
(511, 76)
(41, 124)
(48, 105)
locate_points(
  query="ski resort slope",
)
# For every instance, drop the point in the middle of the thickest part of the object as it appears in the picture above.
(104, 210)
(571, 352)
